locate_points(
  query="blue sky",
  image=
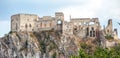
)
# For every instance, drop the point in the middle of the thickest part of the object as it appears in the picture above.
(103, 9)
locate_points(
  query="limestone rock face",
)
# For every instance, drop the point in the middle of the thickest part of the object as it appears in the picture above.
(46, 44)
(18, 45)
(37, 45)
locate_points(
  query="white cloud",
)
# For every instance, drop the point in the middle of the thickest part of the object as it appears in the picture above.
(92, 8)
(103, 9)
(85, 10)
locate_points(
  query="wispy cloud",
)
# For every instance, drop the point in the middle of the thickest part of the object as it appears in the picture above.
(103, 9)
(88, 9)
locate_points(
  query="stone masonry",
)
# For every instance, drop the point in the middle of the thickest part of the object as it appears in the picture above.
(83, 27)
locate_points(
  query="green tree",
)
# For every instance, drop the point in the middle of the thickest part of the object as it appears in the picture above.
(82, 53)
(99, 52)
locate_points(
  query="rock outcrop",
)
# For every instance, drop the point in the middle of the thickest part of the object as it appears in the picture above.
(45, 44)
(37, 45)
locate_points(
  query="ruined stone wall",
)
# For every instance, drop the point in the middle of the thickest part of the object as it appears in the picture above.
(59, 19)
(109, 28)
(49, 23)
(85, 27)
(15, 22)
(45, 25)
(27, 22)
(67, 28)
(23, 22)
(31, 22)
(59, 16)
(115, 34)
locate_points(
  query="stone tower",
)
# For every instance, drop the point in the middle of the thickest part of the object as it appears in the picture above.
(23, 22)
(115, 33)
(59, 17)
(109, 28)
(115, 30)
(15, 22)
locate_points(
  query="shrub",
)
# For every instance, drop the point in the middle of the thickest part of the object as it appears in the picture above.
(54, 55)
(108, 37)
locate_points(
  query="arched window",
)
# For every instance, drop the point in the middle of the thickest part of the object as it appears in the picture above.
(90, 33)
(87, 33)
(92, 28)
(93, 33)
(59, 22)
(107, 30)
(75, 27)
(26, 26)
(30, 25)
(91, 23)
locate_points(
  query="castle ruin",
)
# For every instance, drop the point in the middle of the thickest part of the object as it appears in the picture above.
(83, 27)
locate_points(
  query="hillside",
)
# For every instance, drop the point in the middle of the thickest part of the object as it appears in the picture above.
(45, 44)
(35, 44)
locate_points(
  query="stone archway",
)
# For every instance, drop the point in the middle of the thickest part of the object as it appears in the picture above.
(59, 25)
(92, 32)
(59, 21)
(87, 31)
(30, 25)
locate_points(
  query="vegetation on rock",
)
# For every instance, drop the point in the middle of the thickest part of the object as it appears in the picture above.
(108, 37)
(99, 52)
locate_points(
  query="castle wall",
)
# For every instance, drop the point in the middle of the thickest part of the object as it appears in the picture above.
(45, 25)
(15, 22)
(59, 16)
(67, 28)
(81, 26)
(31, 22)
(85, 27)
(109, 29)
(115, 34)
(23, 22)
(50, 23)
(27, 22)
(59, 19)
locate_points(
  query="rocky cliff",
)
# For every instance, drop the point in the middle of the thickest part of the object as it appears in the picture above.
(45, 44)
